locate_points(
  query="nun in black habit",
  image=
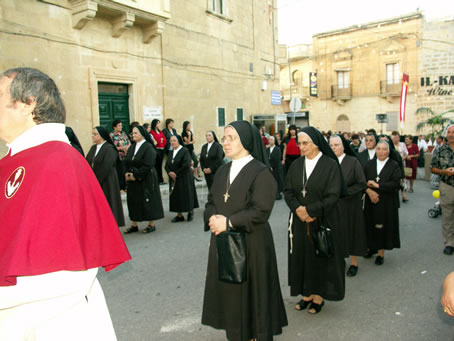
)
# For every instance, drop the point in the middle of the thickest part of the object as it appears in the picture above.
(143, 194)
(275, 158)
(243, 195)
(313, 187)
(381, 209)
(182, 192)
(367, 154)
(351, 206)
(104, 160)
(211, 157)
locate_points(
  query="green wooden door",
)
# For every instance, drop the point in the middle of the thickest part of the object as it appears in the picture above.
(113, 100)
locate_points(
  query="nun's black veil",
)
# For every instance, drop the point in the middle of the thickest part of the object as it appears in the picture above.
(393, 153)
(104, 134)
(214, 135)
(73, 140)
(347, 149)
(145, 134)
(318, 139)
(251, 140)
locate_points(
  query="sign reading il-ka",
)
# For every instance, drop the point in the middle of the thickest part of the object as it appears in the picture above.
(313, 91)
(151, 113)
(442, 86)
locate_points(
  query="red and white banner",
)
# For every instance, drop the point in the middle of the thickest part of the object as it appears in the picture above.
(403, 98)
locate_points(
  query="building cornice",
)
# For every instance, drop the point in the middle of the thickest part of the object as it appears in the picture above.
(372, 24)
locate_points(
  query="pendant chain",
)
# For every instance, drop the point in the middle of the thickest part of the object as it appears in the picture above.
(228, 184)
(304, 179)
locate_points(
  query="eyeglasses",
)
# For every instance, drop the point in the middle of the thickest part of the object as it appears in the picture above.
(304, 143)
(228, 138)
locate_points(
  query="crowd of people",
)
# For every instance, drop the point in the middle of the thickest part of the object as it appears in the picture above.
(349, 182)
(342, 191)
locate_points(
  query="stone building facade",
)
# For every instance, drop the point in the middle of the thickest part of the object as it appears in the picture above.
(359, 73)
(205, 61)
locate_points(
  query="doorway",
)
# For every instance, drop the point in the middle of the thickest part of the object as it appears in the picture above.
(113, 101)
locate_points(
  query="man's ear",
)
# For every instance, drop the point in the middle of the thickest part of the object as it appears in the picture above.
(29, 107)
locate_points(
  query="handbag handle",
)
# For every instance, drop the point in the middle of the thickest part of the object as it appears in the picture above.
(227, 224)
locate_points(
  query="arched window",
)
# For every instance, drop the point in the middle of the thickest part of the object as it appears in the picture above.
(343, 123)
(297, 77)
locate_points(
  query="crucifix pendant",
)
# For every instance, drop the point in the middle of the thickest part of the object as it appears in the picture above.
(226, 196)
(377, 178)
(304, 193)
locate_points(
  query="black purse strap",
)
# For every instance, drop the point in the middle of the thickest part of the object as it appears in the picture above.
(227, 224)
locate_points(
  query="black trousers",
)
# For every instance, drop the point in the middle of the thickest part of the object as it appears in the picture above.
(194, 159)
(159, 159)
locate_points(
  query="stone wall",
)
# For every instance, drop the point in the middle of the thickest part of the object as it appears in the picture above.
(195, 60)
(437, 60)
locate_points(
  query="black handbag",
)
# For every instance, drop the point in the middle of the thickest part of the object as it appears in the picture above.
(323, 241)
(231, 250)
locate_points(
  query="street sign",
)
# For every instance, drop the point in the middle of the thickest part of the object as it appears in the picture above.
(295, 104)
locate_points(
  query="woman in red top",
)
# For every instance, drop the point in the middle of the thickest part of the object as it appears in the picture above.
(264, 138)
(160, 143)
(411, 160)
(291, 150)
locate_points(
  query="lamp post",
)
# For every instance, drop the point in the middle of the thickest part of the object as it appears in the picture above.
(290, 80)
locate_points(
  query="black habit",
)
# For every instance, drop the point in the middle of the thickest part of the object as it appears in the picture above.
(351, 208)
(385, 213)
(253, 309)
(104, 166)
(183, 195)
(363, 157)
(276, 166)
(143, 195)
(212, 159)
(309, 274)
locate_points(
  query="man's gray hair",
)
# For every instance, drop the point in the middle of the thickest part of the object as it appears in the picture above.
(33, 85)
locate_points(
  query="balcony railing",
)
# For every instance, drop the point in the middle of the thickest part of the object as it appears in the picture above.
(341, 93)
(387, 89)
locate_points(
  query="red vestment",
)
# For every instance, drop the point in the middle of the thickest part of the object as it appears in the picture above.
(54, 215)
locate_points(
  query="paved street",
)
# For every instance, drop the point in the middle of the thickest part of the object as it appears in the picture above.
(158, 295)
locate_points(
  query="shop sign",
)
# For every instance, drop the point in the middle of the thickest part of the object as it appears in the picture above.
(438, 87)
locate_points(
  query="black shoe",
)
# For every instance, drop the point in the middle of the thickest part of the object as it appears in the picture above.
(379, 260)
(404, 200)
(190, 216)
(301, 305)
(316, 307)
(197, 179)
(278, 197)
(448, 250)
(370, 253)
(132, 229)
(177, 219)
(352, 270)
(149, 229)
